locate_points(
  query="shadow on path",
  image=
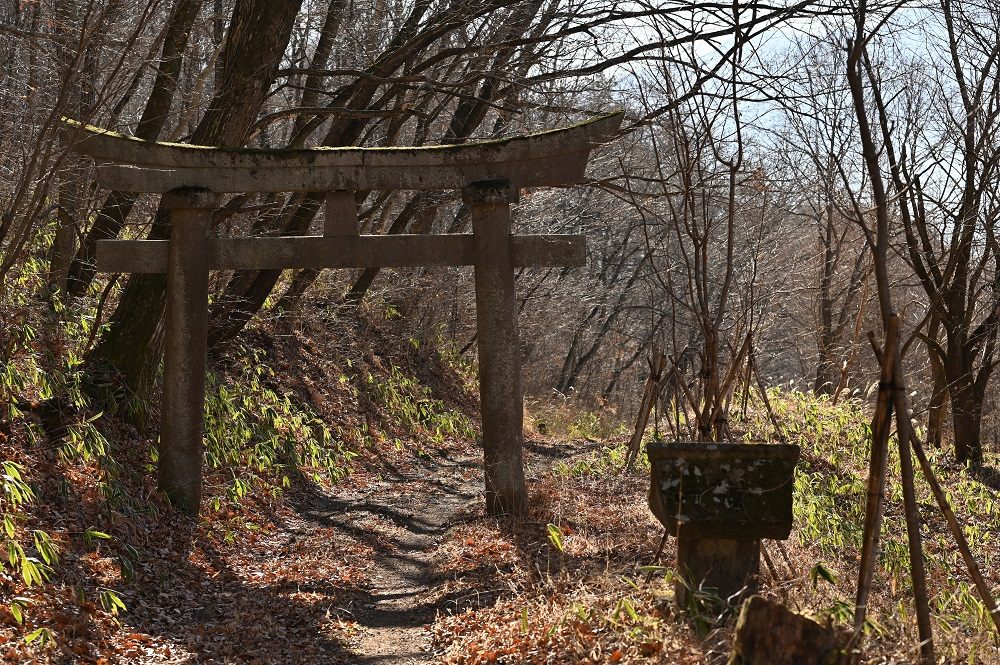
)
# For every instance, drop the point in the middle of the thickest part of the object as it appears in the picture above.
(403, 520)
(286, 596)
(201, 605)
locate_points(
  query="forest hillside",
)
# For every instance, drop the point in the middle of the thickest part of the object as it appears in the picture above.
(396, 331)
(343, 521)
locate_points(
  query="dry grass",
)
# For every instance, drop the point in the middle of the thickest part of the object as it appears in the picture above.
(567, 585)
(570, 585)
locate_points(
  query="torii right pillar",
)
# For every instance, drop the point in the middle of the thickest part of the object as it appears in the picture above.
(500, 395)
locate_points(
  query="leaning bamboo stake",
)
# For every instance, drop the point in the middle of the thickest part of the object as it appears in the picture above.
(657, 364)
(956, 531)
(763, 396)
(919, 577)
(722, 398)
(876, 478)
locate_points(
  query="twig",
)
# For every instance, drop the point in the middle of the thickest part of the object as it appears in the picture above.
(657, 363)
(100, 312)
(659, 553)
(763, 396)
(770, 564)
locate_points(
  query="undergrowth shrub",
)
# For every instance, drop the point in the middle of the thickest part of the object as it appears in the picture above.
(411, 404)
(43, 408)
(570, 419)
(829, 504)
(464, 367)
(33, 567)
(263, 436)
(829, 494)
(608, 459)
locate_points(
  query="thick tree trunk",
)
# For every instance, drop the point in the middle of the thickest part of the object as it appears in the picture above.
(110, 219)
(710, 383)
(827, 375)
(247, 290)
(937, 407)
(258, 35)
(121, 359)
(967, 415)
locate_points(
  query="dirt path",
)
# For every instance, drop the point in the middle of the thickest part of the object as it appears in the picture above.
(354, 573)
(409, 514)
(346, 574)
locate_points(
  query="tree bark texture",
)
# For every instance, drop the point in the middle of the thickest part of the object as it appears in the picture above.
(110, 218)
(258, 35)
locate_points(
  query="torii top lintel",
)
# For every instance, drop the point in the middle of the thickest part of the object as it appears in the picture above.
(555, 157)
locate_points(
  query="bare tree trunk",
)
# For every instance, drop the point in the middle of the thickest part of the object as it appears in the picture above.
(69, 187)
(654, 384)
(826, 367)
(967, 416)
(709, 382)
(827, 375)
(258, 35)
(110, 219)
(937, 407)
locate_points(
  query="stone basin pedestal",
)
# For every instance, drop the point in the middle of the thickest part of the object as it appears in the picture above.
(720, 500)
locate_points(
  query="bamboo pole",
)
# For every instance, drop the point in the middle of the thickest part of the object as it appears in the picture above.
(917, 573)
(657, 364)
(905, 432)
(956, 531)
(763, 396)
(876, 476)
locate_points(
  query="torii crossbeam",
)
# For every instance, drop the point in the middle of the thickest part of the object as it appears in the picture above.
(490, 175)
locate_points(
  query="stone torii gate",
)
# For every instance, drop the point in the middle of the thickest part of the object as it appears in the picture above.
(490, 176)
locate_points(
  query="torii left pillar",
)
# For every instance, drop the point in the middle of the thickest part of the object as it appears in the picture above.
(185, 346)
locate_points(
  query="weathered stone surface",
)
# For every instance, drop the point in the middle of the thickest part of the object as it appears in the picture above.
(342, 251)
(184, 350)
(722, 567)
(557, 157)
(767, 633)
(189, 198)
(341, 218)
(723, 490)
